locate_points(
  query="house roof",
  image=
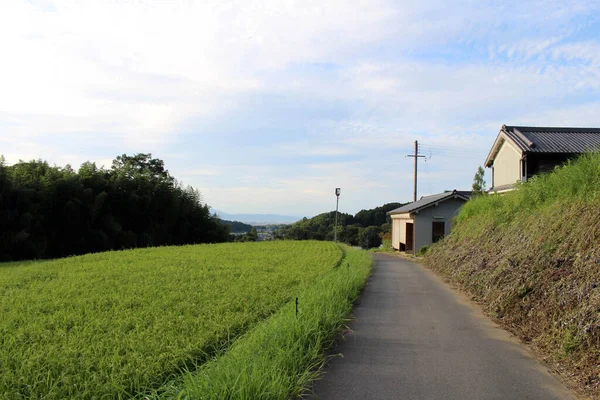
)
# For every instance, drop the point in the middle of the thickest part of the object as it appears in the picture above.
(554, 140)
(532, 139)
(427, 201)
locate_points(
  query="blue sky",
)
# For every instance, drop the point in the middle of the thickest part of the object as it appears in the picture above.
(267, 106)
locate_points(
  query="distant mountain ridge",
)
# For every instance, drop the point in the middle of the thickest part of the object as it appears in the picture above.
(257, 219)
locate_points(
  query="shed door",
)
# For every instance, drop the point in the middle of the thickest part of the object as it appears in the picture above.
(409, 236)
(437, 230)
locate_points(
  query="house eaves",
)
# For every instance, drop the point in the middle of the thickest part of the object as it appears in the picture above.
(502, 137)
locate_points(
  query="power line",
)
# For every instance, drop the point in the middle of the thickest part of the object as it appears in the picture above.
(449, 152)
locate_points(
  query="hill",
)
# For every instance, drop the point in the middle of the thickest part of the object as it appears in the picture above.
(237, 226)
(376, 216)
(351, 228)
(531, 257)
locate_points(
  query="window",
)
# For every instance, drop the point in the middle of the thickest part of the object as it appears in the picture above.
(437, 231)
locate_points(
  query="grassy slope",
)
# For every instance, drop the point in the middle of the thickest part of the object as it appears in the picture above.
(278, 358)
(532, 258)
(115, 324)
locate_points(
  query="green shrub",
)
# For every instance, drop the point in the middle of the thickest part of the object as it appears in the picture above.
(422, 251)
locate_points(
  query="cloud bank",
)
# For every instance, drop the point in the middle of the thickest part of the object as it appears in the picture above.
(267, 106)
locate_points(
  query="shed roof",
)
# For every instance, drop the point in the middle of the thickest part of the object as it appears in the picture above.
(427, 201)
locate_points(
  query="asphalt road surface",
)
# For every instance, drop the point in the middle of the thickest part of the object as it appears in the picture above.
(415, 338)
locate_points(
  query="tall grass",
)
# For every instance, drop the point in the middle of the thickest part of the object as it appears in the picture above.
(116, 324)
(278, 358)
(577, 180)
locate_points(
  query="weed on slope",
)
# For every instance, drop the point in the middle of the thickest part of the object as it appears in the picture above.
(532, 258)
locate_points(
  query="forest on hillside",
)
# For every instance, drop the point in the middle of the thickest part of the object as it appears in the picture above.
(364, 229)
(50, 211)
(237, 226)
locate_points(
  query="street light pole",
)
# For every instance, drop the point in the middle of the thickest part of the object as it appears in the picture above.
(337, 202)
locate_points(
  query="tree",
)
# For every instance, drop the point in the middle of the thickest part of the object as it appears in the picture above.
(351, 233)
(369, 237)
(49, 211)
(386, 228)
(252, 235)
(142, 165)
(478, 182)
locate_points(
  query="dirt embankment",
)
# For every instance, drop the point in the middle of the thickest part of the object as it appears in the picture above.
(538, 275)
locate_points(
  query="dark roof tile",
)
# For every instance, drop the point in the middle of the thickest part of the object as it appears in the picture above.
(554, 140)
(426, 201)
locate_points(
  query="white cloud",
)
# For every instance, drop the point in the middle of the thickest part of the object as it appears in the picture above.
(87, 80)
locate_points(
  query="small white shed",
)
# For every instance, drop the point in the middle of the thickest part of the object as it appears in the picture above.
(426, 220)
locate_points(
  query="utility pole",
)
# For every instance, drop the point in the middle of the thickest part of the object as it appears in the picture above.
(416, 156)
(337, 202)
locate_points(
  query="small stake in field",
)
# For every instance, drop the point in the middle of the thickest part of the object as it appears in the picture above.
(296, 307)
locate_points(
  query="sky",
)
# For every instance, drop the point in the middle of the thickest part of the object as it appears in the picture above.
(268, 106)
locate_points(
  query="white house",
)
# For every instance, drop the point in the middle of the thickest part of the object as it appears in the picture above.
(519, 152)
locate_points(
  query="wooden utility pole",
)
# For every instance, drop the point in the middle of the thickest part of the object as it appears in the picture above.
(337, 202)
(416, 156)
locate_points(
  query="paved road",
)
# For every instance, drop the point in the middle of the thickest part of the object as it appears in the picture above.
(414, 338)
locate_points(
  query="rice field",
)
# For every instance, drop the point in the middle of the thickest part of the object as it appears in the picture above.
(122, 324)
(281, 356)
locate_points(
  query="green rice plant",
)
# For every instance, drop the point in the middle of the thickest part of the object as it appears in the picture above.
(280, 356)
(120, 324)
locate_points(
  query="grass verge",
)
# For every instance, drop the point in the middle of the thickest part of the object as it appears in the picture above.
(279, 357)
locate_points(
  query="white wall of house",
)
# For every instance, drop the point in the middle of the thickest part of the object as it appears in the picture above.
(444, 211)
(507, 166)
(399, 228)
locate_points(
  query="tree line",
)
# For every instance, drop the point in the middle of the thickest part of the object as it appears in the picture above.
(364, 229)
(50, 211)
